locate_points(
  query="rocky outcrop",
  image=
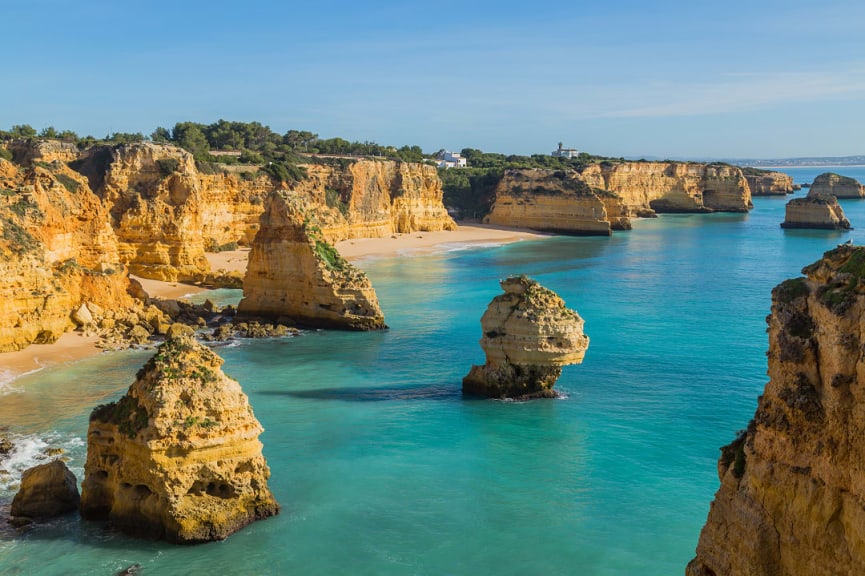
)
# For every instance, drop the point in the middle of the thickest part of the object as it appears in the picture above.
(31, 151)
(819, 211)
(672, 186)
(57, 251)
(768, 183)
(178, 456)
(47, 490)
(558, 202)
(793, 483)
(529, 335)
(837, 186)
(296, 275)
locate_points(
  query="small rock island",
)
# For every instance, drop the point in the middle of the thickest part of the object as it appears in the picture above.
(837, 186)
(816, 211)
(178, 457)
(529, 334)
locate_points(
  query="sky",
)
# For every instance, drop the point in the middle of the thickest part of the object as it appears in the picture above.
(664, 79)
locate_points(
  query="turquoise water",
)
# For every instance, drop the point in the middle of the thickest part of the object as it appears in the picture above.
(382, 467)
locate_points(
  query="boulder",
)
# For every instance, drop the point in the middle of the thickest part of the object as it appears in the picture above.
(47, 490)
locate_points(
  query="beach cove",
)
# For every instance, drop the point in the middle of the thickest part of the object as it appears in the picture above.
(383, 467)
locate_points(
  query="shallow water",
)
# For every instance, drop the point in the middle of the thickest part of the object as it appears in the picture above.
(382, 467)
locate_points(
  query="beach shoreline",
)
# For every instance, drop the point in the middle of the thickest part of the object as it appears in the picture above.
(74, 346)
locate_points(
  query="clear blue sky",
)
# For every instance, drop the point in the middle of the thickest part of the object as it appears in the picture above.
(616, 77)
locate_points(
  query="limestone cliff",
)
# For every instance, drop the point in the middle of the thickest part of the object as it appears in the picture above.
(57, 251)
(295, 274)
(555, 202)
(31, 151)
(529, 335)
(793, 483)
(153, 193)
(178, 456)
(837, 186)
(672, 186)
(767, 183)
(818, 211)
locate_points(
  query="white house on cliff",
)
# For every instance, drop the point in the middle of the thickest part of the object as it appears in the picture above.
(448, 159)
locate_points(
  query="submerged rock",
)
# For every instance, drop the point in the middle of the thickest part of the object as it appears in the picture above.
(177, 457)
(818, 211)
(793, 483)
(529, 335)
(294, 274)
(47, 490)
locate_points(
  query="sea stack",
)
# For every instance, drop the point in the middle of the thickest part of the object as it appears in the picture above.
(529, 335)
(295, 275)
(838, 186)
(47, 490)
(818, 211)
(178, 457)
(793, 482)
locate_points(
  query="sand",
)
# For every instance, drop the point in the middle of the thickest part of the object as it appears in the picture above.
(74, 346)
(68, 348)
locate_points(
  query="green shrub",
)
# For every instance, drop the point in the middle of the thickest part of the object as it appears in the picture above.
(167, 166)
(68, 182)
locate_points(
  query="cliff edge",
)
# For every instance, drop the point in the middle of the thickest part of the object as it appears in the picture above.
(793, 483)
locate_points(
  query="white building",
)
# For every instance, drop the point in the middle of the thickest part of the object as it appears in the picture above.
(565, 152)
(448, 159)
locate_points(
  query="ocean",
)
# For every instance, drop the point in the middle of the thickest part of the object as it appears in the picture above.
(382, 467)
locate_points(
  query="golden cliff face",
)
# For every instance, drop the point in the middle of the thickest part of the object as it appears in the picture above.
(819, 211)
(374, 199)
(770, 184)
(672, 186)
(529, 335)
(57, 251)
(295, 274)
(554, 202)
(154, 195)
(178, 457)
(230, 208)
(837, 186)
(793, 484)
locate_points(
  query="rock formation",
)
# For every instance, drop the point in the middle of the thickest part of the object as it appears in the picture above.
(672, 186)
(57, 251)
(837, 186)
(178, 456)
(529, 335)
(793, 483)
(768, 183)
(820, 211)
(47, 490)
(606, 195)
(295, 274)
(555, 202)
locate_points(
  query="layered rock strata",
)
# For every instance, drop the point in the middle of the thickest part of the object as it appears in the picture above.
(529, 334)
(557, 201)
(47, 490)
(57, 251)
(837, 186)
(672, 186)
(295, 275)
(818, 211)
(793, 483)
(178, 456)
(768, 183)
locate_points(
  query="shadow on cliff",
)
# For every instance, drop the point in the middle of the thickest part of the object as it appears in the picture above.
(368, 394)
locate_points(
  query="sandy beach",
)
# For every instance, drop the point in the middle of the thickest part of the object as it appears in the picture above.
(68, 348)
(74, 346)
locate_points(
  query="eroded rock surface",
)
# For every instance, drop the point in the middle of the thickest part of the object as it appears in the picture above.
(295, 274)
(47, 490)
(837, 186)
(178, 456)
(529, 334)
(819, 211)
(769, 183)
(793, 483)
